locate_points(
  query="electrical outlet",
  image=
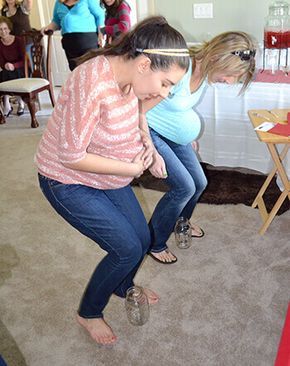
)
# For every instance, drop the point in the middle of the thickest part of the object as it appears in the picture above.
(203, 11)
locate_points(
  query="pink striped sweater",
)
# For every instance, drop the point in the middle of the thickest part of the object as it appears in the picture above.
(91, 116)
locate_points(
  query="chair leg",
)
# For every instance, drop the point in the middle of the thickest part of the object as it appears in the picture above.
(2, 117)
(31, 107)
(38, 102)
(51, 95)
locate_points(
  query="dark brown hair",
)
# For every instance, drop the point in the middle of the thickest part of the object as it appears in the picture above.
(6, 21)
(151, 33)
(112, 10)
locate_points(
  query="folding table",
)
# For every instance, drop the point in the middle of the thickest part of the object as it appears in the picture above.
(272, 141)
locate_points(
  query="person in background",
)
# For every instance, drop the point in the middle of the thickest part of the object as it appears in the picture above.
(12, 54)
(174, 125)
(78, 21)
(92, 149)
(18, 12)
(117, 20)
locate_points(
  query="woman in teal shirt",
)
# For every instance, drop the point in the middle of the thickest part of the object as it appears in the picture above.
(78, 21)
(174, 125)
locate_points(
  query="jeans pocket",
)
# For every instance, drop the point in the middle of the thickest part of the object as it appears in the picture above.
(48, 184)
(55, 184)
(65, 193)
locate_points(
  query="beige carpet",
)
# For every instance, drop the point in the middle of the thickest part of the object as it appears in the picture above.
(222, 304)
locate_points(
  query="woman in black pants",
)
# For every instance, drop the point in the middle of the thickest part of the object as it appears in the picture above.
(78, 21)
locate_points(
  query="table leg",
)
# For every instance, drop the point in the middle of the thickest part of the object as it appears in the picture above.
(273, 212)
(259, 201)
(278, 162)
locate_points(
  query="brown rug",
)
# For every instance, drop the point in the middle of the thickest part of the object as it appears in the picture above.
(225, 187)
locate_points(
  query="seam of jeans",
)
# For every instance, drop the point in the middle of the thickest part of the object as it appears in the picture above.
(51, 190)
(159, 251)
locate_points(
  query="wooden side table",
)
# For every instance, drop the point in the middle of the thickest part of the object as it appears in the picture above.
(272, 140)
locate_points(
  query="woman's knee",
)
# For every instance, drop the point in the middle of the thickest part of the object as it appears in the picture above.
(201, 184)
(145, 239)
(130, 253)
(184, 190)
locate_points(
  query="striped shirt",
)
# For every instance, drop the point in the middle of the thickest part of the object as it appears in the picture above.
(91, 116)
(120, 23)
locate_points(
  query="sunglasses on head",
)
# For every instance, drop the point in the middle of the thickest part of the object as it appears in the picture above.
(245, 55)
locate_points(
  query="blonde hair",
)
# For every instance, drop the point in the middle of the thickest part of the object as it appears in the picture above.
(4, 3)
(216, 56)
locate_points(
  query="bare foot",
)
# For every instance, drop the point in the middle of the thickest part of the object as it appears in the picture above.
(152, 297)
(165, 257)
(99, 330)
(196, 231)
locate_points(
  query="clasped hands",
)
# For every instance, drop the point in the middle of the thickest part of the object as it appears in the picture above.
(9, 66)
(148, 157)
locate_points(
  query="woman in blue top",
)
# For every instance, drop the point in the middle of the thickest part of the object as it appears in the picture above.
(78, 21)
(174, 125)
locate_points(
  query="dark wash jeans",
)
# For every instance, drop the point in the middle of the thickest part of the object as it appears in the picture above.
(186, 180)
(115, 221)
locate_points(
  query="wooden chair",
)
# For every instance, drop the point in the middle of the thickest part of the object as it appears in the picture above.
(28, 88)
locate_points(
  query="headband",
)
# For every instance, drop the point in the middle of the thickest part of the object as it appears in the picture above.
(179, 52)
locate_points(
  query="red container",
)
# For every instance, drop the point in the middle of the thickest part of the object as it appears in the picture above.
(287, 37)
(272, 39)
(277, 26)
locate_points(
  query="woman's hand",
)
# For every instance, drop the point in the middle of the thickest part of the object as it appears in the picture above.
(28, 4)
(9, 66)
(149, 149)
(195, 145)
(138, 161)
(101, 38)
(50, 27)
(158, 168)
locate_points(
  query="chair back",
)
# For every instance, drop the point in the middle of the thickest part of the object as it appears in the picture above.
(41, 68)
(28, 88)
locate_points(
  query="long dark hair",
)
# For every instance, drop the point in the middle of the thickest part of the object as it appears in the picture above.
(113, 9)
(151, 33)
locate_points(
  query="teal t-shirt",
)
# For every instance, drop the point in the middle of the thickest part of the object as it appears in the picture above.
(84, 16)
(174, 117)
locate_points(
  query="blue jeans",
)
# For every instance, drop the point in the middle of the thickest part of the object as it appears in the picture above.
(2, 362)
(115, 221)
(186, 181)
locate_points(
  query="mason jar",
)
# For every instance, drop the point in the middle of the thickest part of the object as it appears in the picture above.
(137, 306)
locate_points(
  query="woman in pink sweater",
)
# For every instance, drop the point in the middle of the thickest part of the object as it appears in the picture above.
(93, 147)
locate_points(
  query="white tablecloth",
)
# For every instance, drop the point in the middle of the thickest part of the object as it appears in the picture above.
(228, 138)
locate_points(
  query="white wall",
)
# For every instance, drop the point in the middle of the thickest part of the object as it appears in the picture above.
(244, 15)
